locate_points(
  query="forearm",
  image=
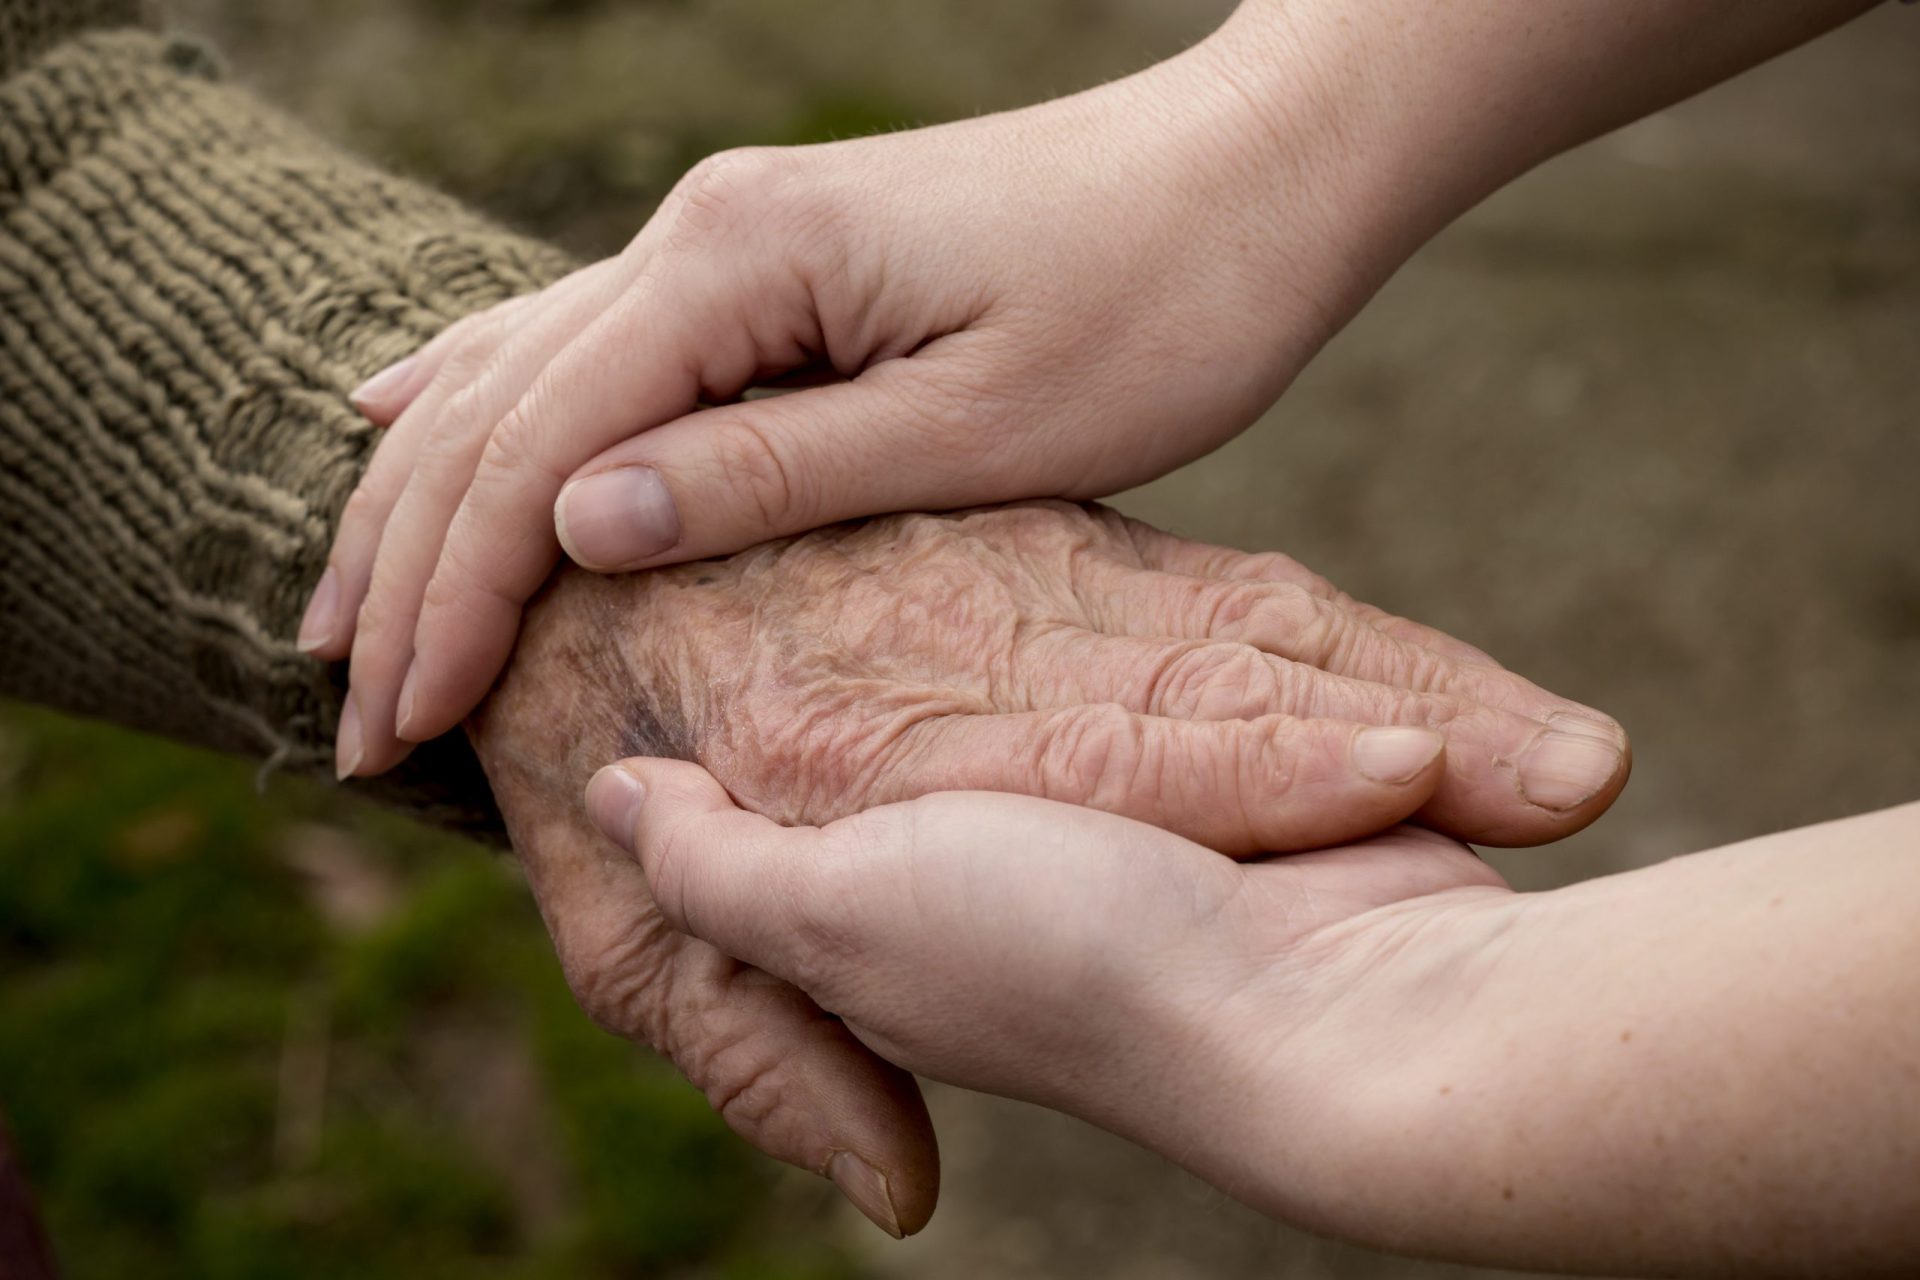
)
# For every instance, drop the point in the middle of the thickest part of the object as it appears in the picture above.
(1708, 1067)
(190, 284)
(1396, 118)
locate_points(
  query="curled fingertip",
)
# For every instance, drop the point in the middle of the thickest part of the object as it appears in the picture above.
(322, 618)
(867, 1189)
(409, 694)
(350, 748)
(614, 797)
(382, 397)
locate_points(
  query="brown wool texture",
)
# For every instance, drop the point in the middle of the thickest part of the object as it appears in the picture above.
(190, 286)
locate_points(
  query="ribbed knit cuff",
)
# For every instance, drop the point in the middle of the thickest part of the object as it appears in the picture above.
(190, 284)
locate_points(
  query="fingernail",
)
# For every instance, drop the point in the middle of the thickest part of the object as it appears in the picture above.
(371, 396)
(316, 625)
(403, 717)
(616, 518)
(348, 750)
(866, 1187)
(1587, 724)
(1569, 763)
(1395, 755)
(613, 802)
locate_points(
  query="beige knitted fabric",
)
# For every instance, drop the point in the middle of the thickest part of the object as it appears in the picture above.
(190, 284)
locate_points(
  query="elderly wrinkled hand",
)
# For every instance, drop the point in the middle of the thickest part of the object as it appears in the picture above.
(1046, 649)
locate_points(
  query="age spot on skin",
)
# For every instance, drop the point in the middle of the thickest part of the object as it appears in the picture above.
(1625, 1036)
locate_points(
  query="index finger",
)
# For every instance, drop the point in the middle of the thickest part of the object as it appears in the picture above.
(630, 370)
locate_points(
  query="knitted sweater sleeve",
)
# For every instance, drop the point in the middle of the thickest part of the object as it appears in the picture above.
(190, 284)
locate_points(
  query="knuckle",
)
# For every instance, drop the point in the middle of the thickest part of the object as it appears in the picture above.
(472, 351)
(665, 879)
(1237, 607)
(729, 191)
(447, 589)
(1275, 566)
(752, 467)
(648, 987)
(377, 620)
(367, 505)
(513, 454)
(1093, 755)
(1423, 670)
(1287, 619)
(446, 456)
(1269, 764)
(746, 1080)
(460, 593)
(455, 437)
(1325, 638)
(1217, 682)
(461, 416)
(470, 573)
(622, 981)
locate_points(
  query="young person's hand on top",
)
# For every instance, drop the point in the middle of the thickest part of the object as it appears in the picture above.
(1064, 300)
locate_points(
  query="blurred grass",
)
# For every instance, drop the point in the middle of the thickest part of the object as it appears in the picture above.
(211, 1072)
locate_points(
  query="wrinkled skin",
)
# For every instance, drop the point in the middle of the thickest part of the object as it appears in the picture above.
(1048, 649)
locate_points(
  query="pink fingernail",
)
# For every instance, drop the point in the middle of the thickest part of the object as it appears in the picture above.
(371, 396)
(404, 721)
(617, 518)
(350, 749)
(317, 624)
(614, 798)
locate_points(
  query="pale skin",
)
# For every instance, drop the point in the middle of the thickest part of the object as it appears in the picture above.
(1709, 1067)
(1064, 300)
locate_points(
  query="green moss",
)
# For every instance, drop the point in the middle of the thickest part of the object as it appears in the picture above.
(205, 1077)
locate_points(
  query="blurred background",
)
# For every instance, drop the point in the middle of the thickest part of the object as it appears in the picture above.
(1646, 426)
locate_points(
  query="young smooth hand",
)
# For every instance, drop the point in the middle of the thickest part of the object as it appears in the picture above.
(1060, 301)
(1065, 957)
(1704, 1068)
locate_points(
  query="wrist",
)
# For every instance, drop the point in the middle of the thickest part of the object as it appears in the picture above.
(1281, 1075)
(1329, 172)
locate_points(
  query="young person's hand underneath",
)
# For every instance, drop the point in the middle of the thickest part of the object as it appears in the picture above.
(1027, 649)
(1704, 1068)
(1054, 954)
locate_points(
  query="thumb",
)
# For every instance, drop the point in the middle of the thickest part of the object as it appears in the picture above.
(725, 479)
(728, 877)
